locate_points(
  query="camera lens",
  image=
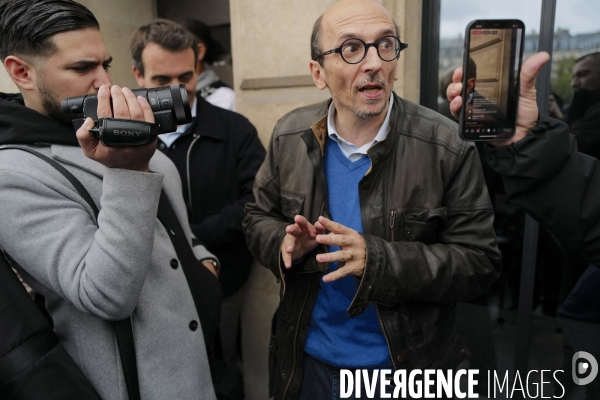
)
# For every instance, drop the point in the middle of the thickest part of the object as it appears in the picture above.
(72, 105)
(181, 103)
(170, 105)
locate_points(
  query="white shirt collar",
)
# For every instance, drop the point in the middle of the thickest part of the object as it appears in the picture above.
(350, 150)
(169, 138)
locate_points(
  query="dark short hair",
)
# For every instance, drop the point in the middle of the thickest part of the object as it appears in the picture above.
(471, 69)
(167, 34)
(595, 56)
(214, 50)
(315, 47)
(27, 26)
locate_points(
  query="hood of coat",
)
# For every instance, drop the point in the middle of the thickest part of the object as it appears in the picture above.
(22, 125)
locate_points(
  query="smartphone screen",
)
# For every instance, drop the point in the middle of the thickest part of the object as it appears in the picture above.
(492, 64)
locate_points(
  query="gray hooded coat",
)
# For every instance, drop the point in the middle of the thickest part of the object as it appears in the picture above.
(93, 272)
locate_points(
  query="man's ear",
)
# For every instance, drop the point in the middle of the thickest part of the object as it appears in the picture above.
(201, 52)
(318, 74)
(470, 84)
(139, 77)
(21, 72)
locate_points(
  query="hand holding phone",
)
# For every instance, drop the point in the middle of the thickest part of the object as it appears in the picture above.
(492, 65)
(527, 114)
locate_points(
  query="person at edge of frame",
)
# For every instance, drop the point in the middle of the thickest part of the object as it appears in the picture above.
(584, 112)
(540, 162)
(93, 272)
(559, 187)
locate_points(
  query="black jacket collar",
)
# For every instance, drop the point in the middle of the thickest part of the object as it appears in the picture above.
(206, 122)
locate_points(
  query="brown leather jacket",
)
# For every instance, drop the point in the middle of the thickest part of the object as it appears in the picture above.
(427, 223)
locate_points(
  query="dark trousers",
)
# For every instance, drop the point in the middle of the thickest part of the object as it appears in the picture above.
(322, 381)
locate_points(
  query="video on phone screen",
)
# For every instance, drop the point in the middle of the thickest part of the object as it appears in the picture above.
(492, 77)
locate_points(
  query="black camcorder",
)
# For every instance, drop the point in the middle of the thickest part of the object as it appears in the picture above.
(170, 106)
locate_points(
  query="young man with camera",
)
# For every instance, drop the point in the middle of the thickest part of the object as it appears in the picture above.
(93, 271)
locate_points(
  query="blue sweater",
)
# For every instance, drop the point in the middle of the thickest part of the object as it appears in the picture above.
(334, 337)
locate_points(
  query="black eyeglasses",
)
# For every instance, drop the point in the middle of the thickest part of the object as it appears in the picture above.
(354, 50)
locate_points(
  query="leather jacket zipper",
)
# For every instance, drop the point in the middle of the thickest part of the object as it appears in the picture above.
(387, 340)
(392, 223)
(310, 275)
(282, 291)
(189, 181)
(287, 386)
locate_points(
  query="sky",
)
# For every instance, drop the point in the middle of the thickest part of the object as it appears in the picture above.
(579, 16)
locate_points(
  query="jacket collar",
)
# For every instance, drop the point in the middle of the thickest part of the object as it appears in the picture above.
(379, 150)
(206, 121)
(319, 129)
(382, 150)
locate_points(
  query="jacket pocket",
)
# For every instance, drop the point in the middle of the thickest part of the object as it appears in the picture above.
(420, 225)
(291, 203)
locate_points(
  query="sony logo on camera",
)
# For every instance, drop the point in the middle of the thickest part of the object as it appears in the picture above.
(126, 133)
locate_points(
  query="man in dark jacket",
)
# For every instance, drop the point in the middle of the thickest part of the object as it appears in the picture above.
(405, 204)
(217, 156)
(559, 187)
(542, 170)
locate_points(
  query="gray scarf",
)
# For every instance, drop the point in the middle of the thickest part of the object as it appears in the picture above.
(207, 78)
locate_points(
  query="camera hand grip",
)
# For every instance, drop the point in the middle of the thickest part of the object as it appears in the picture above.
(114, 132)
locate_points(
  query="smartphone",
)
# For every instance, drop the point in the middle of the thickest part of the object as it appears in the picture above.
(491, 70)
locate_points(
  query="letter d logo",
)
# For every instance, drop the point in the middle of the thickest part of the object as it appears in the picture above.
(589, 366)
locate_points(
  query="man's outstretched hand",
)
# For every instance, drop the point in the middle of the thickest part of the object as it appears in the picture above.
(352, 257)
(527, 114)
(300, 239)
(303, 237)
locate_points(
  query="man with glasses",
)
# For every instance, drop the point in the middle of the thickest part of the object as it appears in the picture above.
(373, 213)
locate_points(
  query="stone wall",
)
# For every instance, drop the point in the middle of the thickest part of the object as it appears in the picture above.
(271, 39)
